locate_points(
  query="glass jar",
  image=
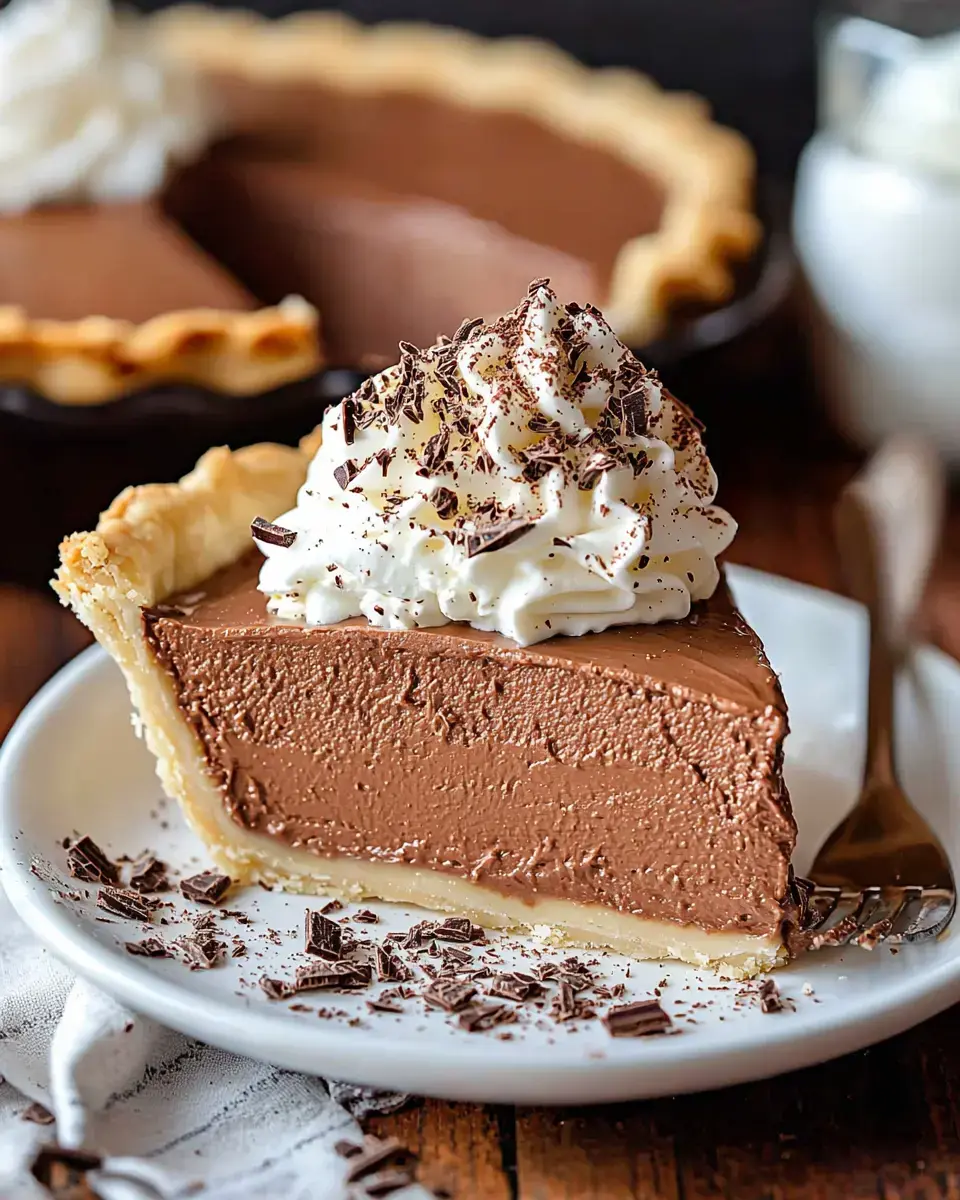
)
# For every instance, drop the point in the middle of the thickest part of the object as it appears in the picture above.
(877, 220)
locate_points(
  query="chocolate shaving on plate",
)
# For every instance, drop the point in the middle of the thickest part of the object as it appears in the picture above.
(366, 917)
(86, 861)
(209, 887)
(387, 1006)
(457, 929)
(769, 996)
(150, 947)
(481, 1017)
(273, 535)
(338, 975)
(148, 875)
(276, 989)
(389, 968)
(122, 903)
(514, 987)
(200, 953)
(331, 906)
(322, 936)
(449, 994)
(640, 1019)
(496, 537)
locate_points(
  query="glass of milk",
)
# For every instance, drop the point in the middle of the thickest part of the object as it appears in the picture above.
(877, 223)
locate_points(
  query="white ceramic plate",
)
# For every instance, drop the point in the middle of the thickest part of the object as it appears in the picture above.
(73, 764)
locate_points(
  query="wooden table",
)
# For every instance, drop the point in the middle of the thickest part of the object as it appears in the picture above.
(881, 1123)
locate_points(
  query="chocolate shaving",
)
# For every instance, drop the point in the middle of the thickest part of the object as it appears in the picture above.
(123, 904)
(276, 989)
(640, 1019)
(514, 987)
(339, 975)
(86, 861)
(769, 996)
(150, 947)
(274, 535)
(348, 420)
(366, 917)
(209, 887)
(434, 453)
(389, 968)
(449, 994)
(346, 473)
(387, 1006)
(200, 953)
(382, 458)
(331, 906)
(595, 467)
(322, 936)
(149, 874)
(36, 1114)
(480, 1017)
(418, 934)
(496, 537)
(633, 420)
(446, 503)
(466, 327)
(457, 929)
(537, 284)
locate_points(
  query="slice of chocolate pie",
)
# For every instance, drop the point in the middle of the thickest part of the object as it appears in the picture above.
(489, 664)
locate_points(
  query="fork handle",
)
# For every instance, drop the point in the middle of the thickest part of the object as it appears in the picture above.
(888, 522)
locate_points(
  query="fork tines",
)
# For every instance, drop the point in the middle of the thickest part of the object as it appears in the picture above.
(834, 916)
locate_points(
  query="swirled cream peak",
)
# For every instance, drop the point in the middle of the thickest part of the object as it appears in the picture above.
(528, 476)
(87, 112)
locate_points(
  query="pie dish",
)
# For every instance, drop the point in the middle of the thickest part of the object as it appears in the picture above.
(595, 750)
(401, 161)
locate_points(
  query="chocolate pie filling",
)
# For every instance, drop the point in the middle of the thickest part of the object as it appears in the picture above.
(396, 214)
(637, 768)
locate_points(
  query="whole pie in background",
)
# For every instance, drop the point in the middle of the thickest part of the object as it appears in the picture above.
(181, 194)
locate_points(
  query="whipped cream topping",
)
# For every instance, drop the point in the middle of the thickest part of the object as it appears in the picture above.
(529, 477)
(87, 111)
(913, 116)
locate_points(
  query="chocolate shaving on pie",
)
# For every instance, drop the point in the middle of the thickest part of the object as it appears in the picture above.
(640, 1019)
(769, 996)
(209, 887)
(322, 936)
(496, 537)
(389, 968)
(346, 473)
(466, 327)
(449, 994)
(434, 453)
(200, 953)
(148, 875)
(445, 502)
(36, 1114)
(480, 1017)
(276, 989)
(122, 903)
(274, 535)
(633, 421)
(339, 975)
(150, 947)
(348, 420)
(86, 861)
(594, 468)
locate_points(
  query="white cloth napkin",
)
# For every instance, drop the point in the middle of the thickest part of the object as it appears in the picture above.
(168, 1113)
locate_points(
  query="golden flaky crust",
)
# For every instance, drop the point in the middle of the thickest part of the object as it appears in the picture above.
(707, 171)
(99, 359)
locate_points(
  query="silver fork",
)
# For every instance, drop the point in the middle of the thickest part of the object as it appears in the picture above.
(882, 875)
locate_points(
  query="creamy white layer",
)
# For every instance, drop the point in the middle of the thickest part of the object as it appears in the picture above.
(528, 477)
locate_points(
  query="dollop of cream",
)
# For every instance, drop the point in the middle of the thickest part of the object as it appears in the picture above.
(912, 118)
(529, 477)
(87, 110)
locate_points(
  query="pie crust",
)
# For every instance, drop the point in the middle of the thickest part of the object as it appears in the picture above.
(162, 540)
(706, 170)
(100, 359)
